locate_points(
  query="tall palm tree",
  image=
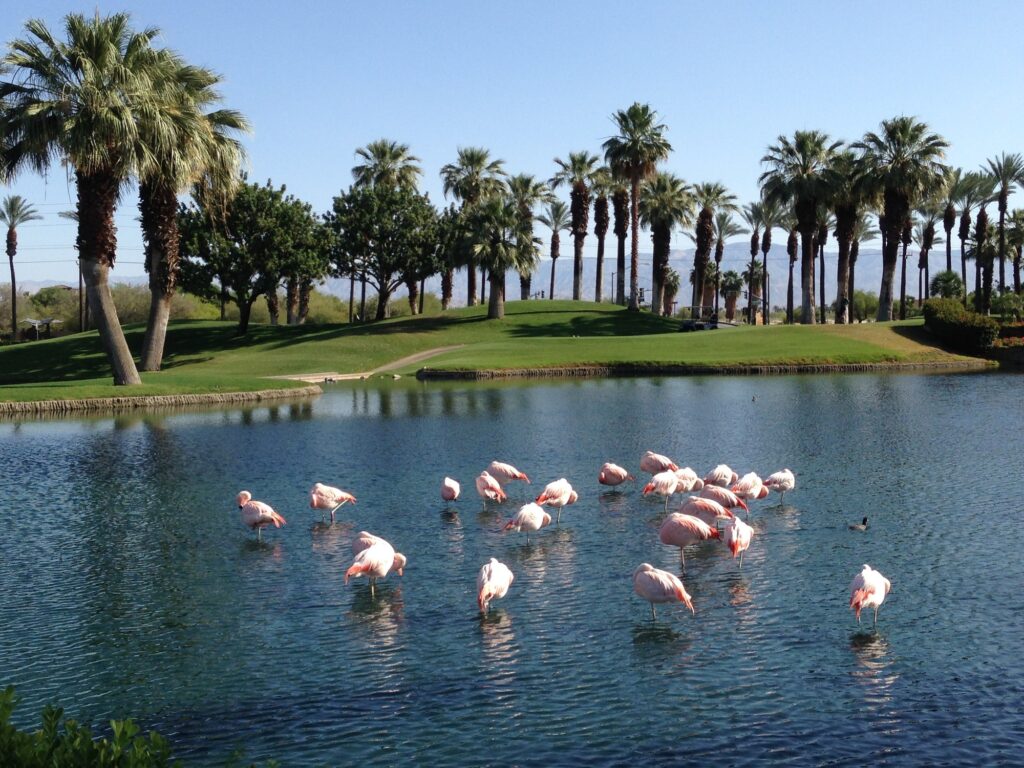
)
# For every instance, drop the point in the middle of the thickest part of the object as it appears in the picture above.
(846, 199)
(952, 189)
(1008, 172)
(387, 163)
(620, 207)
(825, 222)
(527, 193)
(579, 173)
(725, 227)
(184, 141)
(97, 137)
(904, 164)
(15, 211)
(863, 231)
(1015, 239)
(471, 178)
(772, 215)
(665, 203)
(633, 155)
(983, 258)
(603, 187)
(975, 190)
(557, 218)
(498, 233)
(731, 284)
(751, 215)
(753, 277)
(906, 237)
(796, 175)
(792, 251)
(710, 197)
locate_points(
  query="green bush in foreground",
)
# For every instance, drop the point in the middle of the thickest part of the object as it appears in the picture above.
(63, 742)
(963, 330)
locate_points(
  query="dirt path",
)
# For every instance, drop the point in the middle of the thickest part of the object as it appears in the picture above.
(318, 378)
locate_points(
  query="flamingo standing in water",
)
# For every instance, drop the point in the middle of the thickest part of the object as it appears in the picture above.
(489, 488)
(655, 463)
(450, 489)
(493, 582)
(505, 473)
(868, 590)
(721, 475)
(708, 510)
(558, 494)
(613, 474)
(723, 496)
(680, 530)
(750, 486)
(781, 481)
(688, 480)
(658, 586)
(325, 497)
(375, 558)
(530, 517)
(664, 484)
(737, 536)
(257, 515)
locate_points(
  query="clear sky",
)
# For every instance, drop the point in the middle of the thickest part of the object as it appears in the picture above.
(535, 80)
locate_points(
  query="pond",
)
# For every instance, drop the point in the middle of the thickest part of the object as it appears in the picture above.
(131, 588)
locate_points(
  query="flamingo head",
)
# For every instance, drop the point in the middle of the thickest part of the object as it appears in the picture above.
(244, 497)
(399, 563)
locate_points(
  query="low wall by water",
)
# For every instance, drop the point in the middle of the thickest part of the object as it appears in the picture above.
(128, 402)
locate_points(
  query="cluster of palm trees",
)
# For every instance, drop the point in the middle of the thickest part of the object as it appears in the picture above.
(112, 107)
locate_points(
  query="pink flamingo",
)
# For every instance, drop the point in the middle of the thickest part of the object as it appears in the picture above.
(750, 486)
(506, 473)
(721, 475)
(737, 536)
(328, 497)
(723, 496)
(613, 474)
(658, 586)
(257, 515)
(688, 480)
(708, 510)
(530, 517)
(558, 494)
(781, 481)
(680, 530)
(493, 582)
(655, 463)
(664, 484)
(375, 558)
(489, 488)
(450, 489)
(868, 590)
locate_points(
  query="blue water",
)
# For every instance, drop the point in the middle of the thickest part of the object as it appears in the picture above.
(130, 587)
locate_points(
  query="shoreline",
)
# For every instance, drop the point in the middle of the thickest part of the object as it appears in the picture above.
(625, 370)
(130, 403)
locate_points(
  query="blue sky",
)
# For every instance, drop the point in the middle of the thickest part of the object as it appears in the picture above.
(536, 80)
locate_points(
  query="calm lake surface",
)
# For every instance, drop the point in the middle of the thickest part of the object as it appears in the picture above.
(131, 588)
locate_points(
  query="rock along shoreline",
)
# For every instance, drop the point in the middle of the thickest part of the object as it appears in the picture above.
(129, 403)
(625, 370)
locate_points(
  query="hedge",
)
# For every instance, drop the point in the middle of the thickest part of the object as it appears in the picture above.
(952, 324)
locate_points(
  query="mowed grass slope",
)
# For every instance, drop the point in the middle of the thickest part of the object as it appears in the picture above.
(205, 356)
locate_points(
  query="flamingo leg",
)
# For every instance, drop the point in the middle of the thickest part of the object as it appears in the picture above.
(373, 585)
(876, 618)
(558, 517)
(259, 534)
(654, 615)
(741, 561)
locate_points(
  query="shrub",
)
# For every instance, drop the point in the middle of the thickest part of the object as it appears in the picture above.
(1007, 306)
(962, 330)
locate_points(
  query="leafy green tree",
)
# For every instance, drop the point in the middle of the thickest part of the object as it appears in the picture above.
(796, 175)
(498, 233)
(53, 112)
(665, 203)
(557, 218)
(391, 231)
(904, 165)
(306, 258)
(15, 211)
(633, 155)
(1007, 171)
(579, 173)
(388, 163)
(864, 305)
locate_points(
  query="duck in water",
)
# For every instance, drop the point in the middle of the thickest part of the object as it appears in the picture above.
(861, 526)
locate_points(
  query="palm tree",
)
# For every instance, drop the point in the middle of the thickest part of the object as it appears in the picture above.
(904, 164)
(792, 250)
(633, 155)
(1008, 171)
(924, 237)
(983, 258)
(976, 189)
(863, 231)
(772, 215)
(731, 284)
(387, 163)
(183, 143)
(1015, 238)
(825, 222)
(751, 215)
(752, 276)
(527, 193)
(710, 197)
(498, 233)
(671, 285)
(796, 175)
(471, 178)
(603, 187)
(947, 284)
(97, 137)
(578, 172)
(15, 211)
(665, 203)
(726, 227)
(952, 189)
(906, 237)
(620, 207)
(846, 199)
(556, 217)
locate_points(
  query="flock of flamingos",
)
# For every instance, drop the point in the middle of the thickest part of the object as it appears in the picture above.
(712, 514)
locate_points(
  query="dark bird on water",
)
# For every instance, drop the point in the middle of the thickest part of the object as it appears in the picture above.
(862, 526)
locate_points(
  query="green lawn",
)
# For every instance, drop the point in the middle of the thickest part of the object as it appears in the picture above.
(206, 356)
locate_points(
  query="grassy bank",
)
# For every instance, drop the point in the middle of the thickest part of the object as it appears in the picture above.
(207, 356)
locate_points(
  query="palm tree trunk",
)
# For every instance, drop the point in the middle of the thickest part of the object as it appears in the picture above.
(159, 208)
(903, 284)
(890, 255)
(446, 289)
(81, 299)
(620, 274)
(963, 268)
(14, 293)
(483, 284)
(764, 293)
(843, 268)
(577, 267)
(821, 280)
(949, 249)
(789, 296)
(524, 286)
(1002, 246)
(496, 306)
(598, 286)
(634, 248)
(471, 284)
(97, 247)
(551, 292)
(1016, 272)
(807, 277)
(854, 249)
